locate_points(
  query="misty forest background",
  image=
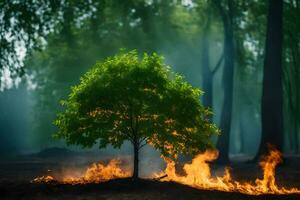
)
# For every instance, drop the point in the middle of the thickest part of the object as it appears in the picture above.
(218, 46)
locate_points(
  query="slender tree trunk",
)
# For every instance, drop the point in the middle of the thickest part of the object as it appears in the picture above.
(272, 100)
(207, 75)
(135, 174)
(242, 131)
(296, 78)
(296, 137)
(97, 20)
(207, 72)
(225, 124)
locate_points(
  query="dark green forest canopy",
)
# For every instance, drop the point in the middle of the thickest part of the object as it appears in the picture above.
(140, 100)
(25, 26)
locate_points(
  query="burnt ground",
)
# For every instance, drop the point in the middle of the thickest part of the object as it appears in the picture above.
(16, 173)
(122, 189)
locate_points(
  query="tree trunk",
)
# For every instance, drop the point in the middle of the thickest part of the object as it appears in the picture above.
(295, 93)
(207, 72)
(296, 138)
(225, 124)
(207, 75)
(135, 174)
(242, 132)
(272, 100)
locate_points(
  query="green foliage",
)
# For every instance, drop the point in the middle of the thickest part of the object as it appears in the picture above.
(25, 25)
(149, 28)
(140, 100)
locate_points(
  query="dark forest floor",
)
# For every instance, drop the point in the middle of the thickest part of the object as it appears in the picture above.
(122, 189)
(16, 173)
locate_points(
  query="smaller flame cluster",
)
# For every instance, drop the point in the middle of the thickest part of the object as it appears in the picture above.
(197, 174)
(95, 173)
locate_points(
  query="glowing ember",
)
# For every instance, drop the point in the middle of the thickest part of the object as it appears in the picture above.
(43, 179)
(95, 173)
(198, 174)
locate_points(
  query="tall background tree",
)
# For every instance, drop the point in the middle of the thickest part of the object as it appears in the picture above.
(272, 94)
(225, 9)
(291, 75)
(208, 68)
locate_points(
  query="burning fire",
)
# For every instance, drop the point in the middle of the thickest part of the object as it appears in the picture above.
(197, 174)
(95, 173)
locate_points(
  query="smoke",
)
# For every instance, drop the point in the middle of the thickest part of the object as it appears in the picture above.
(14, 120)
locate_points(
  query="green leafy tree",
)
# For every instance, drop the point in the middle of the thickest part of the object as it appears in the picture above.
(138, 100)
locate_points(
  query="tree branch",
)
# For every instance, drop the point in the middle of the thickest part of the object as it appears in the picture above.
(141, 146)
(161, 177)
(137, 124)
(218, 65)
(130, 138)
(131, 119)
(142, 140)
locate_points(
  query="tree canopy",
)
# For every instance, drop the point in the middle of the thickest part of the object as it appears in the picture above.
(124, 97)
(139, 100)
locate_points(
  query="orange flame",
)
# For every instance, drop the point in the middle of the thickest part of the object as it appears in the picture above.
(198, 175)
(95, 173)
(43, 179)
